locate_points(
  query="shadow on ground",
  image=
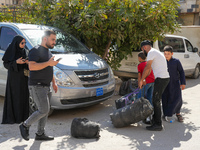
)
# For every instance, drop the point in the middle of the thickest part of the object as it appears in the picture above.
(135, 135)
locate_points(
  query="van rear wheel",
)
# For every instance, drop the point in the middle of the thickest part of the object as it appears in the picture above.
(196, 72)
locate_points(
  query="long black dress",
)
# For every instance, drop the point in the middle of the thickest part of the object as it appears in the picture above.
(172, 96)
(16, 104)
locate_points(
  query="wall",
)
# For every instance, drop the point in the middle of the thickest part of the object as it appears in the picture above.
(10, 2)
(191, 32)
(189, 12)
(5, 2)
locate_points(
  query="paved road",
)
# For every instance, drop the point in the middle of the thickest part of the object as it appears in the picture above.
(176, 136)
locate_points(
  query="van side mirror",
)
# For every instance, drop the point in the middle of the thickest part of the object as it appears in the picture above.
(195, 49)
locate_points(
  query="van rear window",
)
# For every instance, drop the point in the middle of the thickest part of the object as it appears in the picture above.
(176, 43)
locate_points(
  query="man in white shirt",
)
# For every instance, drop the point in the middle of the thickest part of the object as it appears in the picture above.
(155, 60)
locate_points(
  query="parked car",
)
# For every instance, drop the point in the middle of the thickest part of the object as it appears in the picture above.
(182, 48)
(83, 78)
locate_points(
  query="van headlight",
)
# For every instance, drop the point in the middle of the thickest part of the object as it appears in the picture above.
(111, 73)
(62, 79)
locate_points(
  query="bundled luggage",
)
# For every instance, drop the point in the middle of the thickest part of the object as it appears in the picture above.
(83, 128)
(127, 87)
(126, 99)
(133, 113)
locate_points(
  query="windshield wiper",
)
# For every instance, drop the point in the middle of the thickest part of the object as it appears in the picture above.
(71, 52)
(56, 52)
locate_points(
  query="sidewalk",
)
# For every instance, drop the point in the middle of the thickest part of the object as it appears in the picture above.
(175, 136)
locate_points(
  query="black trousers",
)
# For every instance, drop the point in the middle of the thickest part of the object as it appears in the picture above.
(159, 86)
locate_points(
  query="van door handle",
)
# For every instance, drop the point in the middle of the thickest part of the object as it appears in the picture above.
(186, 55)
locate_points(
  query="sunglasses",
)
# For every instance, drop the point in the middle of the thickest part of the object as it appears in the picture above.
(23, 43)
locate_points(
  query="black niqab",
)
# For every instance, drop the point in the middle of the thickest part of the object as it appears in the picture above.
(13, 52)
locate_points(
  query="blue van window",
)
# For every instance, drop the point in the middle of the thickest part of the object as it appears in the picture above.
(7, 35)
(176, 43)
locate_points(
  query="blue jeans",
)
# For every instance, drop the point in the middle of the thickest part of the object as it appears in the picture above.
(41, 96)
(148, 92)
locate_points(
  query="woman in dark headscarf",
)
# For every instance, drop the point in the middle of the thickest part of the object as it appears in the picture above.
(16, 104)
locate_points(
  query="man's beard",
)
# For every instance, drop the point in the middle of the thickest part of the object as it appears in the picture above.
(49, 46)
(145, 53)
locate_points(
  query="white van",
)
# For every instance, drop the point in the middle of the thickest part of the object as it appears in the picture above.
(183, 50)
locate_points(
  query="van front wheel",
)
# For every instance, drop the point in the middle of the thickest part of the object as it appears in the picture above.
(196, 72)
(33, 107)
(124, 78)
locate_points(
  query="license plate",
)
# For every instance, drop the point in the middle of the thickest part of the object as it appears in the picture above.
(99, 91)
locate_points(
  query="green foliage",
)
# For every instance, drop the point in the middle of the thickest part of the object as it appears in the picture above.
(5, 14)
(112, 28)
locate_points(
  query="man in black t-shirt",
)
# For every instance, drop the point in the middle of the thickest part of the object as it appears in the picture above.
(41, 65)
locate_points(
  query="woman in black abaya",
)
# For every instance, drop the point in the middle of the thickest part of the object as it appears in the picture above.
(16, 104)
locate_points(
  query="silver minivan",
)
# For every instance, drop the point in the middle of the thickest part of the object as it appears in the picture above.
(83, 78)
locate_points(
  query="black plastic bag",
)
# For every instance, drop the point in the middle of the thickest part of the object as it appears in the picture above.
(133, 113)
(83, 128)
(127, 87)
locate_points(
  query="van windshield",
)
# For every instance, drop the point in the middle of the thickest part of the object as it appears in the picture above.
(65, 42)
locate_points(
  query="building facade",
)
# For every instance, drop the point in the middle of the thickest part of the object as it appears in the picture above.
(10, 2)
(189, 12)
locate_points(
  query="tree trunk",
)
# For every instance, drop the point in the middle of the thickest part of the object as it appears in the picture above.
(106, 50)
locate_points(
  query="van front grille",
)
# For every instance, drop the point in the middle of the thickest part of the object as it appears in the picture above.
(93, 75)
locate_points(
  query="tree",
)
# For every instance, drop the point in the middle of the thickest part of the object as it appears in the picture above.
(5, 14)
(112, 28)
(124, 24)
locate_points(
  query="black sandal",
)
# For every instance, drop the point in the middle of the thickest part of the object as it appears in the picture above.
(180, 118)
